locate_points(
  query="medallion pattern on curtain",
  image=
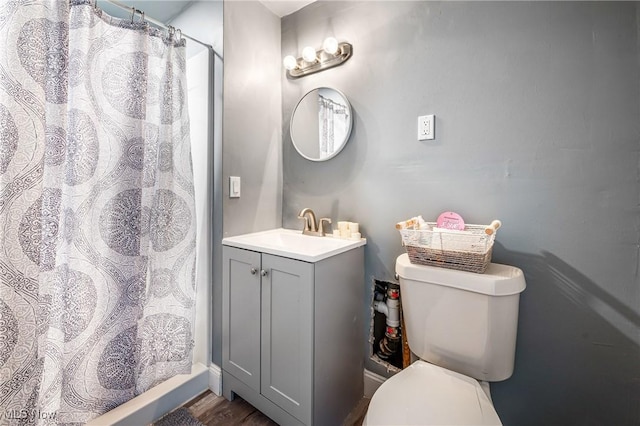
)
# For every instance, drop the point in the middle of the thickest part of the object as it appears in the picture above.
(97, 218)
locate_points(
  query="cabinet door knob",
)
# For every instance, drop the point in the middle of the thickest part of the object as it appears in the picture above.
(264, 273)
(253, 271)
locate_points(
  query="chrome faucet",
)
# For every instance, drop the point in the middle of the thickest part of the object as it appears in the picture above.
(310, 223)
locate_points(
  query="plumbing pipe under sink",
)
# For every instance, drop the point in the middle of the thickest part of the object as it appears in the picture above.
(390, 307)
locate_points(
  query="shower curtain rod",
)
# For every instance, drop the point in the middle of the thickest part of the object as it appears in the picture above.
(160, 24)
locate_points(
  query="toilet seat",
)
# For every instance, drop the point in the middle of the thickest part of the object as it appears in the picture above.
(425, 394)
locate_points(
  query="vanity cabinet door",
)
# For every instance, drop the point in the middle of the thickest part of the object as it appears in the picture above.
(241, 315)
(287, 334)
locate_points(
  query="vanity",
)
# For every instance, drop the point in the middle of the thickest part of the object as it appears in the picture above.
(292, 325)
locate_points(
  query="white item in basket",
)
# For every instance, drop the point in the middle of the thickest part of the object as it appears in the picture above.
(451, 231)
(454, 240)
(422, 224)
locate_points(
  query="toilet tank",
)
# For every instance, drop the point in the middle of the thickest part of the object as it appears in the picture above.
(462, 321)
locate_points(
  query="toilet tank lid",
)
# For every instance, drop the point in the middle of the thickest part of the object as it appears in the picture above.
(498, 280)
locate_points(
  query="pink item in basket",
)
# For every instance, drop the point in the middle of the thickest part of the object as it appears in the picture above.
(450, 220)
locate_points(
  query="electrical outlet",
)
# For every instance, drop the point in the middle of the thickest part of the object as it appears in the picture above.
(426, 127)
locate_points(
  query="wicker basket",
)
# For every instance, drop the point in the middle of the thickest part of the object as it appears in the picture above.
(462, 251)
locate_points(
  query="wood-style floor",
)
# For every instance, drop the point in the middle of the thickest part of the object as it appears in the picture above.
(212, 409)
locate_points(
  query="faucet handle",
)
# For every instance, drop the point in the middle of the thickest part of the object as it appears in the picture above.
(320, 227)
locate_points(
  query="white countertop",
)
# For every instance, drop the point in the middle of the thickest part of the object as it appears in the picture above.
(293, 244)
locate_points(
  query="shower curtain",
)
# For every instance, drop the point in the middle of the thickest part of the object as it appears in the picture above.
(97, 218)
(333, 119)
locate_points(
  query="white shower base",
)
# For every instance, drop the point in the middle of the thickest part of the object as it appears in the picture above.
(162, 399)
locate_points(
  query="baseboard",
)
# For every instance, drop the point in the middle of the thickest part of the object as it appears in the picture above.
(157, 401)
(372, 382)
(215, 379)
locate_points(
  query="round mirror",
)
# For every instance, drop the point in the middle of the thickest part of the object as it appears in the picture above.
(321, 124)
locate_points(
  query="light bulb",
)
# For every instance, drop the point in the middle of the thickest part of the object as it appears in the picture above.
(309, 54)
(330, 45)
(290, 62)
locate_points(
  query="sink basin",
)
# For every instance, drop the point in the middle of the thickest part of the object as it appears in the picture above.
(293, 244)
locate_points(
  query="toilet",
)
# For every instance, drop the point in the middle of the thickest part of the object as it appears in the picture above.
(462, 326)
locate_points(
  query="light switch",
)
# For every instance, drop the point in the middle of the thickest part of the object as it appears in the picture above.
(234, 186)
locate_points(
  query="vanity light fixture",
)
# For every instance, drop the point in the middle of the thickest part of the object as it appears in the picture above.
(332, 54)
(309, 55)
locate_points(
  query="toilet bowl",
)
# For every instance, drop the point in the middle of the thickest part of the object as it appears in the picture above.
(462, 326)
(425, 394)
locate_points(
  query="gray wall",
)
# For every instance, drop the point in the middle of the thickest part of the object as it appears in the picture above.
(252, 127)
(537, 123)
